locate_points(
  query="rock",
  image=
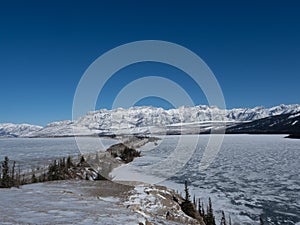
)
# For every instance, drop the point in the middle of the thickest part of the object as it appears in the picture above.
(156, 203)
(124, 152)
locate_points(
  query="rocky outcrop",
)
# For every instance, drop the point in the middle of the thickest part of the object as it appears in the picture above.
(159, 204)
(123, 152)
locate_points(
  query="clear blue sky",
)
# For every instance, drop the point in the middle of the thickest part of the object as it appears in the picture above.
(253, 48)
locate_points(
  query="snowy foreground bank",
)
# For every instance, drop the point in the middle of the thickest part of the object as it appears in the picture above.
(90, 202)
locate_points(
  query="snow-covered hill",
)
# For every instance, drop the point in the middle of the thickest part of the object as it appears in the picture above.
(17, 130)
(144, 120)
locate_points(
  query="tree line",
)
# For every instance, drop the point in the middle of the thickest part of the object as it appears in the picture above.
(61, 169)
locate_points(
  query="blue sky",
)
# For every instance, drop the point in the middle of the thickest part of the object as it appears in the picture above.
(253, 48)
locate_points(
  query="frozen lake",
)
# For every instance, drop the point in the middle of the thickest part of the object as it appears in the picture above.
(252, 175)
(41, 151)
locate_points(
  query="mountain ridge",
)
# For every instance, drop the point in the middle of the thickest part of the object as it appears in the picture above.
(147, 119)
(16, 130)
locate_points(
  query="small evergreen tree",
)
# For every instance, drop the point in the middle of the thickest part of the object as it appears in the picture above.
(203, 211)
(199, 207)
(186, 191)
(69, 162)
(5, 182)
(33, 177)
(223, 219)
(209, 218)
(187, 206)
(229, 220)
(52, 171)
(82, 160)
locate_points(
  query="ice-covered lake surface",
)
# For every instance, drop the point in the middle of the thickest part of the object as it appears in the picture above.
(34, 152)
(252, 175)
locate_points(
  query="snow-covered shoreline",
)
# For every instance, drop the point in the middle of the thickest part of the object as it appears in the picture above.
(89, 202)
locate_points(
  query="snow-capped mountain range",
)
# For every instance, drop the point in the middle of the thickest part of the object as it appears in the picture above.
(144, 119)
(17, 130)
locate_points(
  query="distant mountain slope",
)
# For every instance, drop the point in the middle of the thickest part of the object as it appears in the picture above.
(283, 124)
(137, 120)
(17, 130)
(145, 120)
